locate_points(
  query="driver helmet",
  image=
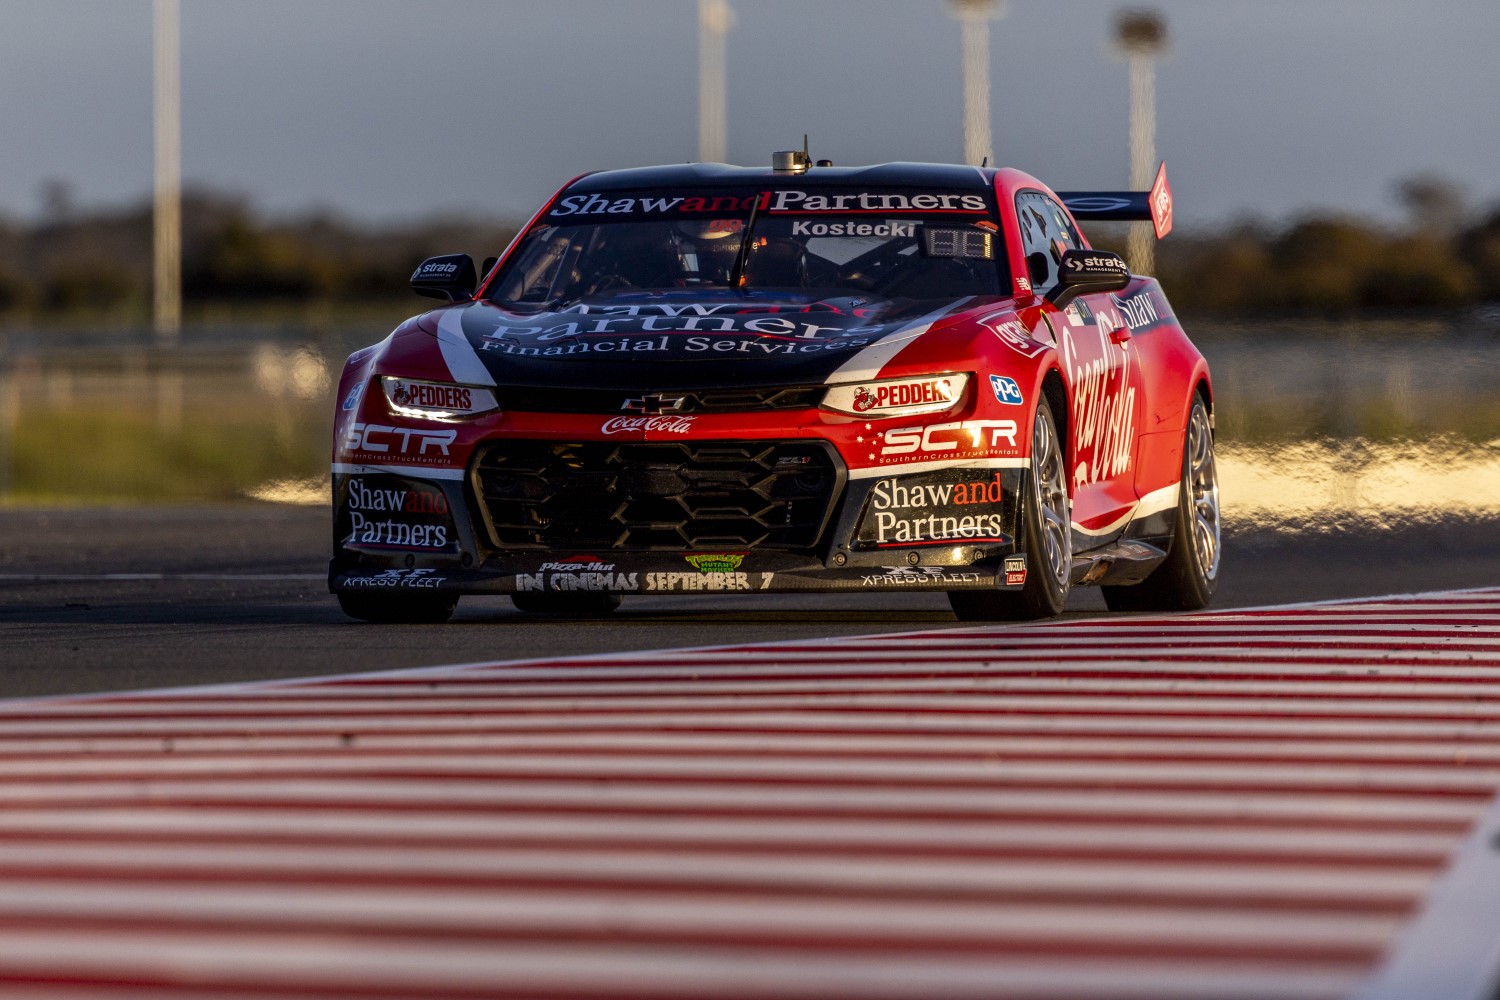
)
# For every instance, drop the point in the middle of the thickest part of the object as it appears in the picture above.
(706, 249)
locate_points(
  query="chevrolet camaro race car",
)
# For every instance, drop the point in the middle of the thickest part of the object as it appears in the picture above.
(711, 379)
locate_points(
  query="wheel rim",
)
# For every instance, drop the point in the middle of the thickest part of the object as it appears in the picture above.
(1050, 492)
(1203, 481)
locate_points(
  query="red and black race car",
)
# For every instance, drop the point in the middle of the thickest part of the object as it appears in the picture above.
(712, 379)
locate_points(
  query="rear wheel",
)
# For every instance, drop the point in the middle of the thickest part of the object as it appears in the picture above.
(586, 604)
(392, 609)
(1186, 580)
(1047, 524)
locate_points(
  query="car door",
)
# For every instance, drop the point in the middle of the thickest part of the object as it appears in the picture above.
(1103, 376)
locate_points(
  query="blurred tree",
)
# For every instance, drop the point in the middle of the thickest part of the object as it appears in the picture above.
(1436, 207)
(1419, 272)
(1480, 247)
(1323, 265)
(1230, 273)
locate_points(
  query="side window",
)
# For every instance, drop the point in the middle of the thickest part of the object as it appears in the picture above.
(1046, 231)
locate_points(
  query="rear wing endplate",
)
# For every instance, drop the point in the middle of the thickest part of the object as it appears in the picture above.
(1154, 206)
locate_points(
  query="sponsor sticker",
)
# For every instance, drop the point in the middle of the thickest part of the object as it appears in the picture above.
(391, 534)
(387, 512)
(400, 496)
(1012, 334)
(716, 562)
(659, 204)
(423, 445)
(676, 582)
(954, 505)
(406, 579)
(959, 439)
(1006, 390)
(1079, 262)
(1161, 203)
(1015, 571)
(437, 400)
(918, 576)
(352, 399)
(894, 397)
(590, 581)
(577, 573)
(660, 425)
(1139, 310)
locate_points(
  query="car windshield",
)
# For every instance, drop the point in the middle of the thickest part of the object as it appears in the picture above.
(904, 245)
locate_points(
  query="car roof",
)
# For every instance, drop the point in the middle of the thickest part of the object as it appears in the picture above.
(948, 176)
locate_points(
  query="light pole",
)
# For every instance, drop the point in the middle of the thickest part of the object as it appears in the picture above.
(167, 109)
(1141, 37)
(975, 16)
(714, 21)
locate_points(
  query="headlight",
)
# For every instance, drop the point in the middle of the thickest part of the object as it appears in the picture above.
(898, 397)
(437, 400)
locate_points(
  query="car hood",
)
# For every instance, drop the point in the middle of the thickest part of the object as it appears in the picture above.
(681, 339)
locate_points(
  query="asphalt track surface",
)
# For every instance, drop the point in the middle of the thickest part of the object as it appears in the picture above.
(116, 599)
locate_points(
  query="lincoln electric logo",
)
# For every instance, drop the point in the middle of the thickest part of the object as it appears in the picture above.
(653, 403)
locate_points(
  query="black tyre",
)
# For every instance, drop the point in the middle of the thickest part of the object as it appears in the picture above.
(587, 604)
(1047, 524)
(1186, 580)
(393, 609)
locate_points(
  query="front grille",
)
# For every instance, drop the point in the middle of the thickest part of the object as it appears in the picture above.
(750, 399)
(706, 495)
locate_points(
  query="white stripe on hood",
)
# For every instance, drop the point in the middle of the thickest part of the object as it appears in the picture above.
(867, 364)
(458, 354)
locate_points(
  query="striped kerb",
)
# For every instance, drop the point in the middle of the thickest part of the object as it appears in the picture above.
(1241, 804)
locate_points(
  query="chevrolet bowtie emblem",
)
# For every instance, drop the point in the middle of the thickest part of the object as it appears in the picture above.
(653, 403)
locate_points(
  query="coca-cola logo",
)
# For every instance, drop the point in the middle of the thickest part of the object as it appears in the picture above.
(666, 424)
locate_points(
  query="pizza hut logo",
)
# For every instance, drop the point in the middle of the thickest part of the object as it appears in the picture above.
(573, 564)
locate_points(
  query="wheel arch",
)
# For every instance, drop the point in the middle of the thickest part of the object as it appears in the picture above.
(1204, 391)
(1056, 394)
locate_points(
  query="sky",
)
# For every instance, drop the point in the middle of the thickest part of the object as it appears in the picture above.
(389, 110)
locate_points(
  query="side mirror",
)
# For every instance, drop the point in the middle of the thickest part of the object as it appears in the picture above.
(1085, 271)
(450, 277)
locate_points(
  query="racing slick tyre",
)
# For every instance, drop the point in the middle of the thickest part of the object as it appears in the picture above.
(588, 605)
(1186, 580)
(393, 609)
(1047, 522)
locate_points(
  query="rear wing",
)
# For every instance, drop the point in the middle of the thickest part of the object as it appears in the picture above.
(1154, 206)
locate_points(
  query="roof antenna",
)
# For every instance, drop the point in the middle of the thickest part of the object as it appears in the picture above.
(984, 162)
(805, 157)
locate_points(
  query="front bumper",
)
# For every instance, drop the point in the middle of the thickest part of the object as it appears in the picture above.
(698, 517)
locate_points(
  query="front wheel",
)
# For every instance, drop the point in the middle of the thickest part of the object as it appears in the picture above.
(1047, 522)
(403, 609)
(1186, 580)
